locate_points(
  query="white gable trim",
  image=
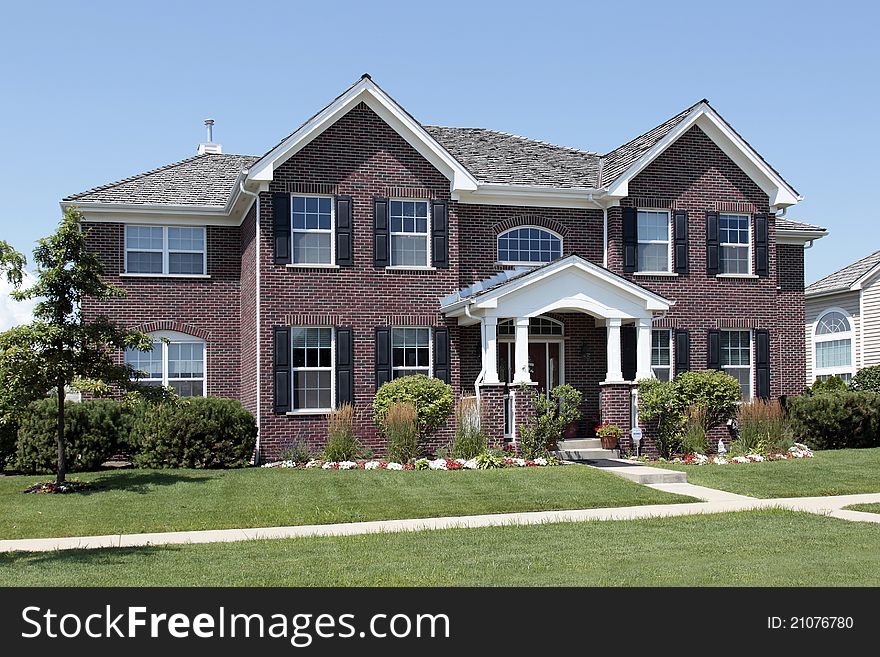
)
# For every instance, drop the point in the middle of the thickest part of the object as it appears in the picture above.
(781, 194)
(366, 91)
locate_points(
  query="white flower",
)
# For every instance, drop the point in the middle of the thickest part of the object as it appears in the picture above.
(313, 464)
(539, 461)
(740, 459)
(461, 461)
(328, 465)
(394, 466)
(347, 465)
(274, 464)
(719, 460)
(757, 458)
(438, 464)
(470, 464)
(371, 465)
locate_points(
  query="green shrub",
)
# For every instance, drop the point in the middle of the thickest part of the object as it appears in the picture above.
(196, 432)
(867, 379)
(94, 430)
(297, 451)
(832, 384)
(8, 436)
(552, 415)
(762, 428)
(659, 401)
(431, 398)
(469, 438)
(489, 461)
(401, 431)
(836, 420)
(341, 442)
(694, 435)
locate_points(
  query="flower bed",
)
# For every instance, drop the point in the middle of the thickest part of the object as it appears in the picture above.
(72, 486)
(797, 451)
(477, 463)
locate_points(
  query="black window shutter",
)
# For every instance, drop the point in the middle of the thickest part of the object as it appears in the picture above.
(344, 237)
(344, 366)
(762, 245)
(682, 351)
(281, 369)
(383, 356)
(762, 363)
(442, 360)
(281, 223)
(630, 239)
(713, 249)
(628, 352)
(439, 235)
(680, 228)
(381, 238)
(713, 349)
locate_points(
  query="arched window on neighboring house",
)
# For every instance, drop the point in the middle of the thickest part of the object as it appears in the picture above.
(528, 245)
(177, 360)
(833, 345)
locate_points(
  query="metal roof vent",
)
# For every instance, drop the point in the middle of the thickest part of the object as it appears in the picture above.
(210, 146)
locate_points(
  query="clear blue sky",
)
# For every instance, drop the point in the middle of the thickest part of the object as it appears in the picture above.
(93, 92)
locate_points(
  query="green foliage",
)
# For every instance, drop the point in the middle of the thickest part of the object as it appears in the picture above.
(342, 445)
(469, 438)
(551, 417)
(297, 451)
(94, 430)
(867, 379)
(401, 431)
(422, 464)
(12, 263)
(762, 428)
(431, 398)
(489, 461)
(197, 432)
(836, 420)
(694, 435)
(8, 437)
(659, 401)
(832, 384)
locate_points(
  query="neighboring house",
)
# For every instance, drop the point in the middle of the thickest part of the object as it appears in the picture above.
(843, 321)
(366, 246)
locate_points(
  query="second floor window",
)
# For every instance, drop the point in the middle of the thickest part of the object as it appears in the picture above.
(312, 230)
(735, 243)
(653, 241)
(409, 233)
(165, 250)
(528, 246)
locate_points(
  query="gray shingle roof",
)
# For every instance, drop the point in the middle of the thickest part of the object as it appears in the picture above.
(499, 157)
(202, 180)
(789, 224)
(843, 278)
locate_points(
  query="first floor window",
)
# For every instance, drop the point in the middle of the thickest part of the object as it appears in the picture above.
(735, 243)
(653, 238)
(176, 360)
(165, 250)
(832, 346)
(736, 358)
(409, 233)
(661, 354)
(312, 368)
(410, 351)
(312, 230)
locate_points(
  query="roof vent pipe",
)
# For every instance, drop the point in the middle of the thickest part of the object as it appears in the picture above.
(210, 146)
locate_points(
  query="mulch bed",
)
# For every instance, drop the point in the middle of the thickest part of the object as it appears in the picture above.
(66, 487)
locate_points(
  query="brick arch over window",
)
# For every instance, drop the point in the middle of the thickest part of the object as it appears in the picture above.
(530, 220)
(172, 325)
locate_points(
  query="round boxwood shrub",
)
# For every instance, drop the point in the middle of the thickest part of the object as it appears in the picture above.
(432, 398)
(867, 379)
(198, 432)
(92, 432)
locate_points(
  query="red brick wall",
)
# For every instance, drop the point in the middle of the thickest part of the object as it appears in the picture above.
(248, 393)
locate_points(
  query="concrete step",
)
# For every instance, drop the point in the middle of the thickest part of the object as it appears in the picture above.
(640, 474)
(589, 454)
(580, 443)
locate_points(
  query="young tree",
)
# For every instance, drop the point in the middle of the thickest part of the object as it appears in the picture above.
(59, 347)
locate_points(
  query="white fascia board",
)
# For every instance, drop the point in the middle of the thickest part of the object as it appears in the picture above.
(389, 111)
(860, 282)
(799, 236)
(531, 196)
(176, 216)
(830, 293)
(779, 192)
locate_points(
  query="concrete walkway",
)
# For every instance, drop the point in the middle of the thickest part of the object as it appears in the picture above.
(718, 502)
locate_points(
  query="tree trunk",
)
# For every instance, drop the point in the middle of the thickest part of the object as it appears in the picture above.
(62, 460)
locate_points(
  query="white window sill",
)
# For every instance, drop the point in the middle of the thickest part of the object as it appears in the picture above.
(135, 275)
(305, 265)
(406, 268)
(670, 274)
(310, 411)
(736, 276)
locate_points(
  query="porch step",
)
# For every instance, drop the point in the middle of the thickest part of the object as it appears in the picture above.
(579, 443)
(640, 474)
(588, 454)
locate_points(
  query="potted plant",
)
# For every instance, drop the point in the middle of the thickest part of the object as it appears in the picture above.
(609, 434)
(568, 400)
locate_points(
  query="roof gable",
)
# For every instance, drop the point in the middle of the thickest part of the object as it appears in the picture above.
(849, 278)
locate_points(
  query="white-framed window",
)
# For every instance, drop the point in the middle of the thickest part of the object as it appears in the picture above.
(312, 223)
(312, 368)
(176, 360)
(410, 246)
(833, 345)
(528, 245)
(538, 326)
(734, 238)
(411, 352)
(165, 250)
(661, 353)
(736, 358)
(653, 231)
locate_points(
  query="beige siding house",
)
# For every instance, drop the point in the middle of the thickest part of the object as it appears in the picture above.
(843, 320)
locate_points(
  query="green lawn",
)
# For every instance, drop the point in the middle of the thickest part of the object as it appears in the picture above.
(832, 472)
(867, 508)
(134, 501)
(760, 548)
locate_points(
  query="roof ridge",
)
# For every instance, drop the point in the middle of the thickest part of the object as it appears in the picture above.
(681, 114)
(510, 134)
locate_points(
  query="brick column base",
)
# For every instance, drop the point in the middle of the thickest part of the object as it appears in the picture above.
(492, 412)
(615, 407)
(523, 406)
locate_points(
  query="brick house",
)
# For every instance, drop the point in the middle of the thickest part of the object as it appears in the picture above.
(365, 246)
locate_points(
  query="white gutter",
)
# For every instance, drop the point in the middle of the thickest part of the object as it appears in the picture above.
(256, 198)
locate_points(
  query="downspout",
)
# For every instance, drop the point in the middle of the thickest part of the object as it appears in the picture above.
(256, 198)
(482, 374)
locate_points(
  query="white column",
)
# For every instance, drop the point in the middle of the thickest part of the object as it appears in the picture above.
(490, 349)
(643, 349)
(614, 373)
(521, 372)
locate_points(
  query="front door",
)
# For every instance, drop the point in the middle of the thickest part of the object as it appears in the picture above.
(545, 363)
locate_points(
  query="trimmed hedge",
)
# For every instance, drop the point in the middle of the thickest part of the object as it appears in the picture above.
(198, 432)
(836, 420)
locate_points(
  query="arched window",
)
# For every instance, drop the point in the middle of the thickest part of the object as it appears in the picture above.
(538, 326)
(176, 360)
(833, 345)
(528, 245)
